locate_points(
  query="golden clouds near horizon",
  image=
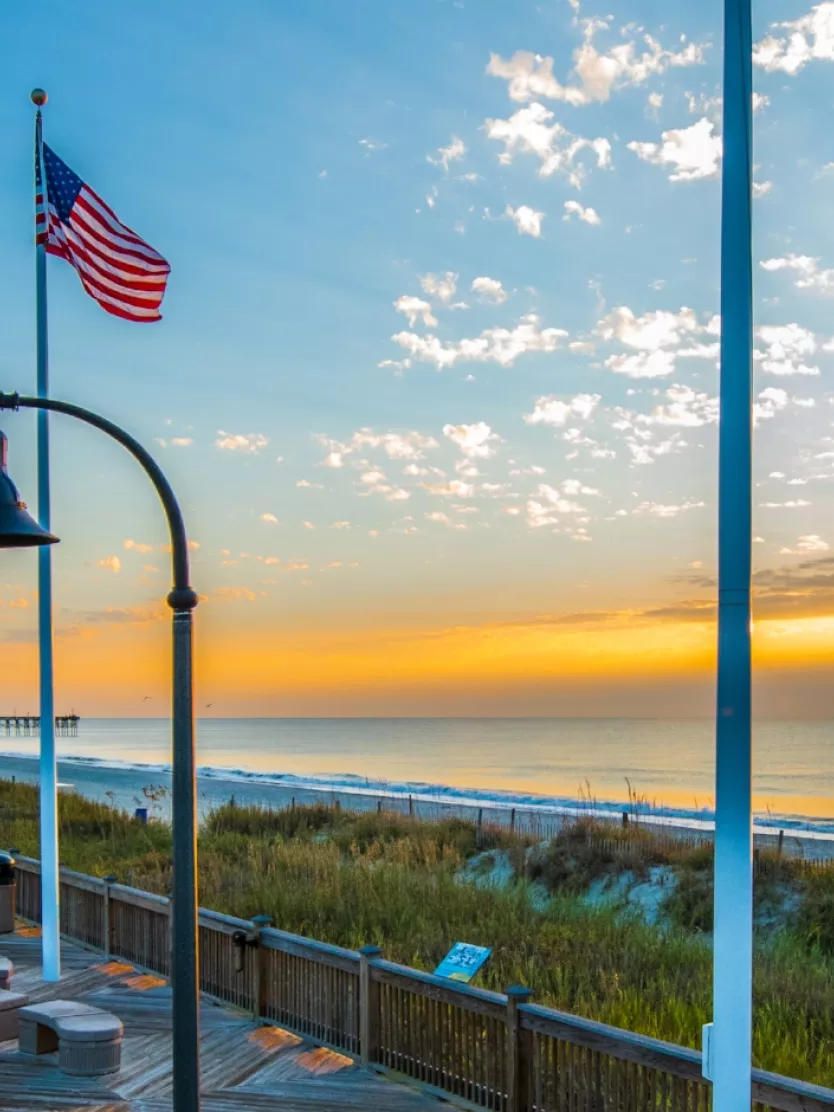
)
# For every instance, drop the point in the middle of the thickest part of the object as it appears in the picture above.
(116, 665)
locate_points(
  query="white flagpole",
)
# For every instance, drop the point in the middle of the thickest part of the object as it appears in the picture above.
(50, 888)
(729, 1062)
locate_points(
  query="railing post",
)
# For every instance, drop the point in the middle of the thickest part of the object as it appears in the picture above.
(518, 1062)
(171, 935)
(108, 925)
(260, 995)
(368, 1006)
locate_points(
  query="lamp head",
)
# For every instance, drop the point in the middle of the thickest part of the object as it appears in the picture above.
(17, 528)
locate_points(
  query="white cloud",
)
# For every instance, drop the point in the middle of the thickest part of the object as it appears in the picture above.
(372, 144)
(588, 215)
(770, 402)
(334, 460)
(530, 75)
(654, 330)
(475, 441)
(305, 484)
(111, 563)
(397, 445)
(656, 337)
(546, 503)
(489, 289)
(807, 268)
(414, 307)
(685, 408)
(691, 152)
(555, 411)
(705, 105)
(181, 442)
(340, 525)
(791, 504)
(444, 519)
(808, 38)
(655, 101)
(786, 347)
(249, 443)
(136, 546)
(810, 542)
(529, 131)
(644, 449)
(494, 345)
(445, 155)
(454, 488)
(575, 486)
(442, 286)
(410, 444)
(761, 188)
(374, 482)
(271, 519)
(659, 509)
(644, 364)
(760, 102)
(527, 220)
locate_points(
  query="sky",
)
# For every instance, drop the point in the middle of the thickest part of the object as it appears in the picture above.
(436, 380)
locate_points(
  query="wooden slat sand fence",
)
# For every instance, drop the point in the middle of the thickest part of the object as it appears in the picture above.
(497, 1051)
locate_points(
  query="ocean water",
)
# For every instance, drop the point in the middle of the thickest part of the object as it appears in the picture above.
(549, 762)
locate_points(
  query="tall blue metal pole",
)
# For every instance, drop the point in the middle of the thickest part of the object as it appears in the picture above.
(733, 935)
(50, 889)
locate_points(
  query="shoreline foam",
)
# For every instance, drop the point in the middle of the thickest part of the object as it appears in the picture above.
(122, 782)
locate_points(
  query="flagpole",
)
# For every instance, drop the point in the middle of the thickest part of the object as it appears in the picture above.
(50, 888)
(731, 1037)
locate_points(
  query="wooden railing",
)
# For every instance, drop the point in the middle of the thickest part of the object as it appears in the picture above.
(493, 1050)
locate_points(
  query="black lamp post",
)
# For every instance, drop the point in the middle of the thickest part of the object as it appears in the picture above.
(18, 530)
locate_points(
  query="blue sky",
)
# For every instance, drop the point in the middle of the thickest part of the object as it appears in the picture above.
(351, 194)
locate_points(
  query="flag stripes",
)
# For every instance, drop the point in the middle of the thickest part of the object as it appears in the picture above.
(117, 268)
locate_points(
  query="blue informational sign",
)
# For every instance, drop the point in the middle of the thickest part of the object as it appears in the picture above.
(463, 962)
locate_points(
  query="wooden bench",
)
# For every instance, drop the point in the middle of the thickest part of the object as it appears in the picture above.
(10, 1005)
(88, 1040)
(6, 970)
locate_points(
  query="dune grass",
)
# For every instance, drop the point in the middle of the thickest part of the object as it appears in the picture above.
(352, 879)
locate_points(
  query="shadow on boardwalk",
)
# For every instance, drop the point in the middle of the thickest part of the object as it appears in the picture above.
(246, 1066)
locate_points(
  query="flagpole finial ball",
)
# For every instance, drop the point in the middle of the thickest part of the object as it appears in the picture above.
(39, 97)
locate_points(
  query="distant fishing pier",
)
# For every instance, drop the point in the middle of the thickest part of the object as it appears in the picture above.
(27, 725)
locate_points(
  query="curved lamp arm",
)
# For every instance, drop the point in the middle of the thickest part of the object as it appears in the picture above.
(182, 597)
(182, 600)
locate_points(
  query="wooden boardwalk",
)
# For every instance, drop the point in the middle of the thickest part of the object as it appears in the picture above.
(246, 1066)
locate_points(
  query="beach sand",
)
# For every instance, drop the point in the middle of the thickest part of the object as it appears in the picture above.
(126, 787)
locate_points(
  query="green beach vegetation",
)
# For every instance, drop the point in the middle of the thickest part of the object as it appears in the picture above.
(608, 923)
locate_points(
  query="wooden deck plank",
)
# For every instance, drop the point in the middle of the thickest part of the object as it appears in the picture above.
(245, 1066)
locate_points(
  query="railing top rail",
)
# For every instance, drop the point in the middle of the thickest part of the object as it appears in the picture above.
(427, 984)
(311, 949)
(136, 896)
(615, 1041)
(226, 924)
(29, 864)
(789, 1094)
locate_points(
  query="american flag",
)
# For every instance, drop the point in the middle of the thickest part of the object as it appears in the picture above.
(116, 267)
